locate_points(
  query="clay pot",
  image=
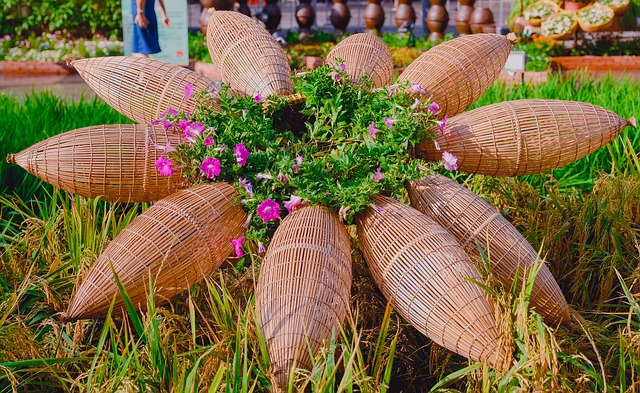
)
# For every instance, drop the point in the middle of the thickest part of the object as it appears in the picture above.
(223, 5)
(274, 15)
(436, 2)
(374, 16)
(463, 14)
(206, 3)
(463, 27)
(405, 14)
(573, 5)
(481, 16)
(305, 15)
(340, 15)
(467, 2)
(437, 20)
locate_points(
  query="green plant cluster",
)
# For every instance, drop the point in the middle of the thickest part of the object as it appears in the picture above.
(539, 50)
(83, 19)
(350, 135)
(607, 45)
(58, 46)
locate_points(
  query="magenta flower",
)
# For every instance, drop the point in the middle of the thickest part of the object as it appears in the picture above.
(247, 185)
(208, 141)
(450, 161)
(293, 203)
(169, 112)
(258, 98)
(390, 122)
(342, 67)
(434, 108)
(372, 130)
(390, 89)
(283, 178)
(262, 176)
(337, 77)
(192, 131)
(241, 153)
(244, 112)
(166, 148)
(378, 176)
(269, 210)
(237, 246)
(415, 104)
(188, 91)
(164, 165)
(261, 249)
(165, 123)
(442, 124)
(297, 165)
(183, 124)
(418, 89)
(210, 167)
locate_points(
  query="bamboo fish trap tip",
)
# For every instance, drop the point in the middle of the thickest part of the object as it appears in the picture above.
(633, 122)
(11, 158)
(512, 38)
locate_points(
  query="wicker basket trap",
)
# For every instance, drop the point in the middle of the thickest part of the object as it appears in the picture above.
(365, 54)
(114, 162)
(591, 28)
(177, 242)
(514, 138)
(456, 73)
(303, 291)
(142, 88)
(422, 270)
(249, 58)
(470, 218)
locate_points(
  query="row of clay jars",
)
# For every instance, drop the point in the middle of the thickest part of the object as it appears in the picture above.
(220, 5)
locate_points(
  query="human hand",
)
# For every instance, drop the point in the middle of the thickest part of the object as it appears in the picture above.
(165, 20)
(141, 21)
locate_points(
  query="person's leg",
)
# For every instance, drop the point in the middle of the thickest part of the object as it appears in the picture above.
(139, 55)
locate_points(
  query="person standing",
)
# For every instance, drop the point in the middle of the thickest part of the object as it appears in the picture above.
(145, 27)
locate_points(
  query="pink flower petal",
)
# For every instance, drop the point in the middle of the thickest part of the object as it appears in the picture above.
(210, 167)
(237, 246)
(378, 176)
(268, 210)
(450, 161)
(241, 153)
(188, 91)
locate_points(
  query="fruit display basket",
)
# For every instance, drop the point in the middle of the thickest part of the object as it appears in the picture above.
(561, 26)
(538, 12)
(596, 17)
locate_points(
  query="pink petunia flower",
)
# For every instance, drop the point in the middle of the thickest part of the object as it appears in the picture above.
(418, 89)
(434, 108)
(210, 167)
(169, 112)
(450, 161)
(415, 104)
(283, 178)
(337, 77)
(241, 153)
(208, 141)
(342, 67)
(258, 98)
(298, 164)
(261, 249)
(378, 176)
(293, 203)
(269, 210)
(262, 176)
(192, 131)
(188, 91)
(390, 122)
(166, 148)
(390, 89)
(237, 246)
(247, 185)
(372, 130)
(164, 165)
(442, 124)
(183, 124)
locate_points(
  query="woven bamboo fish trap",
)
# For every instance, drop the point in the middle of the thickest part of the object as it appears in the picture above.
(514, 138)
(303, 291)
(114, 162)
(365, 54)
(471, 219)
(249, 58)
(142, 88)
(456, 73)
(422, 270)
(176, 242)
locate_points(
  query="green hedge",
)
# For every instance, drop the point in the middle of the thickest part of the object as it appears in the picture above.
(81, 18)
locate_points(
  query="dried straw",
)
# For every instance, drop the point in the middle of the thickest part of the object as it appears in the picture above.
(520, 137)
(455, 73)
(114, 162)
(365, 54)
(177, 242)
(304, 288)
(471, 219)
(422, 270)
(142, 88)
(251, 61)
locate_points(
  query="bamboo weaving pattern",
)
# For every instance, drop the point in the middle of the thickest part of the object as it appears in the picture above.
(251, 61)
(456, 73)
(176, 242)
(143, 89)
(303, 291)
(470, 218)
(514, 138)
(114, 162)
(365, 54)
(422, 270)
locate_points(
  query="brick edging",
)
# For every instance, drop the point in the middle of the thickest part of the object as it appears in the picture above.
(35, 68)
(595, 62)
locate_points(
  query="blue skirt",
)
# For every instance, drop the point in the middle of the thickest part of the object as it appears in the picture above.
(145, 41)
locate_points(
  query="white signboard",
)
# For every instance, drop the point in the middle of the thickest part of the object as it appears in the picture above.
(174, 40)
(515, 61)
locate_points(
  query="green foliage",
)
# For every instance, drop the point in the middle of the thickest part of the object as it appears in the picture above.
(57, 47)
(198, 47)
(83, 19)
(395, 40)
(333, 162)
(539, 50)
(607, 45)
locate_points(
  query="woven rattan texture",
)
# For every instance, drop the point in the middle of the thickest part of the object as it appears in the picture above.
(115, 162)
(142, 88)
(304, 287)
(177, 242)
(249, 58)
(422, 270)
(521, 137)
(365, 54)
(471, 219)
(455, 73)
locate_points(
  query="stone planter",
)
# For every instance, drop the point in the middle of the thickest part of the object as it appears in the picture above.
(35, 68)
(596, 63)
